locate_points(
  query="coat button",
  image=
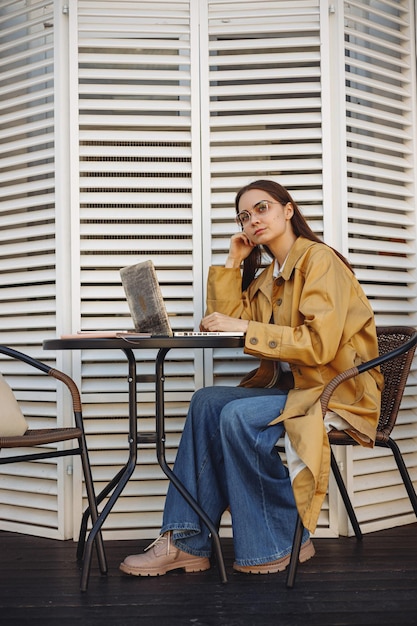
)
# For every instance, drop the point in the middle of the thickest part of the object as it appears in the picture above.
(279, 301)
(272, 344)
(253, 341)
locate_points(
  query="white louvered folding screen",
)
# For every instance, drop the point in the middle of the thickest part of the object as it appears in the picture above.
(138, 146)
(262, 114)
(380, 134)
(261, 118)
(171, 107)
(29, 494)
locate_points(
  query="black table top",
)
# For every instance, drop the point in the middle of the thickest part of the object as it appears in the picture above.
(112, 343)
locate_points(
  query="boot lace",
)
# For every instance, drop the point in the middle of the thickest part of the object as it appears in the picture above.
(160, 539)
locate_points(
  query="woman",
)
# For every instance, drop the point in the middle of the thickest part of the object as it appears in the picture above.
(306, 318)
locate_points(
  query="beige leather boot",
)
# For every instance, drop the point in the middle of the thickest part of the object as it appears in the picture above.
(307, 552)
(162, 557)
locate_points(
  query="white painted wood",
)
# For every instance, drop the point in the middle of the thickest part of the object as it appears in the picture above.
(127, 128)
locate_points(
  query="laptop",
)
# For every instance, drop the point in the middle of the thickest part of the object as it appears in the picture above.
(147, 307)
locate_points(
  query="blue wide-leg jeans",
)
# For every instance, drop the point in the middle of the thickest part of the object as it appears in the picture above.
(227, 457)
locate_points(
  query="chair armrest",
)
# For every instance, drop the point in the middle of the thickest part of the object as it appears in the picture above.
(43, 367)
(364, 367)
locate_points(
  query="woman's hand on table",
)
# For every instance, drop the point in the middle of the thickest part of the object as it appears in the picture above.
(217, 322)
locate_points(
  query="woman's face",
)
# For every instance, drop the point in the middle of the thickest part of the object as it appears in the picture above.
(265, 220)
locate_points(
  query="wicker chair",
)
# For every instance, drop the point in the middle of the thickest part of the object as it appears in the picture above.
(397, 345)
(45, 436)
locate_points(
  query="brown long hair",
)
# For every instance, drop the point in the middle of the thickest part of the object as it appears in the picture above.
(300, 227)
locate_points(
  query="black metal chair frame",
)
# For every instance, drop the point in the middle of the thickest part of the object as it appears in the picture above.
(406, 350)
(37, 437)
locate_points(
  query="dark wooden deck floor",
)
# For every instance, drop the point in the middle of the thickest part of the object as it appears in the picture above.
(348, 582)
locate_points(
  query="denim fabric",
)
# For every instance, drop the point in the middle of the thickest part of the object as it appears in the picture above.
(227, 457)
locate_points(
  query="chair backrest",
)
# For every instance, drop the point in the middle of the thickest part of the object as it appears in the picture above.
(395, 372)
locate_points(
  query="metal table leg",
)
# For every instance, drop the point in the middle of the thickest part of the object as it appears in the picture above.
(120, 480)
(160, 447)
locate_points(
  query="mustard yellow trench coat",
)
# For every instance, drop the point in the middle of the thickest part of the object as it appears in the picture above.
(322, 325)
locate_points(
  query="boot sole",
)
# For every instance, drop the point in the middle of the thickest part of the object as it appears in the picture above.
(189, 566)
(307, 552)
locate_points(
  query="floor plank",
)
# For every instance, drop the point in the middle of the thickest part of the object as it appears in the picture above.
(373, 582)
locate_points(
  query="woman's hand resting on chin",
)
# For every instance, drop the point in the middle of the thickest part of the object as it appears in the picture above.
(240, 248)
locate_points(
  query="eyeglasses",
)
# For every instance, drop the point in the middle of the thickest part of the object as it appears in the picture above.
(260, 208)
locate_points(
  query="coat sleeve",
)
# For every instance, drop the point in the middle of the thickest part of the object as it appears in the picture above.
(224, 293)
(322, 296)
(323, 292)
